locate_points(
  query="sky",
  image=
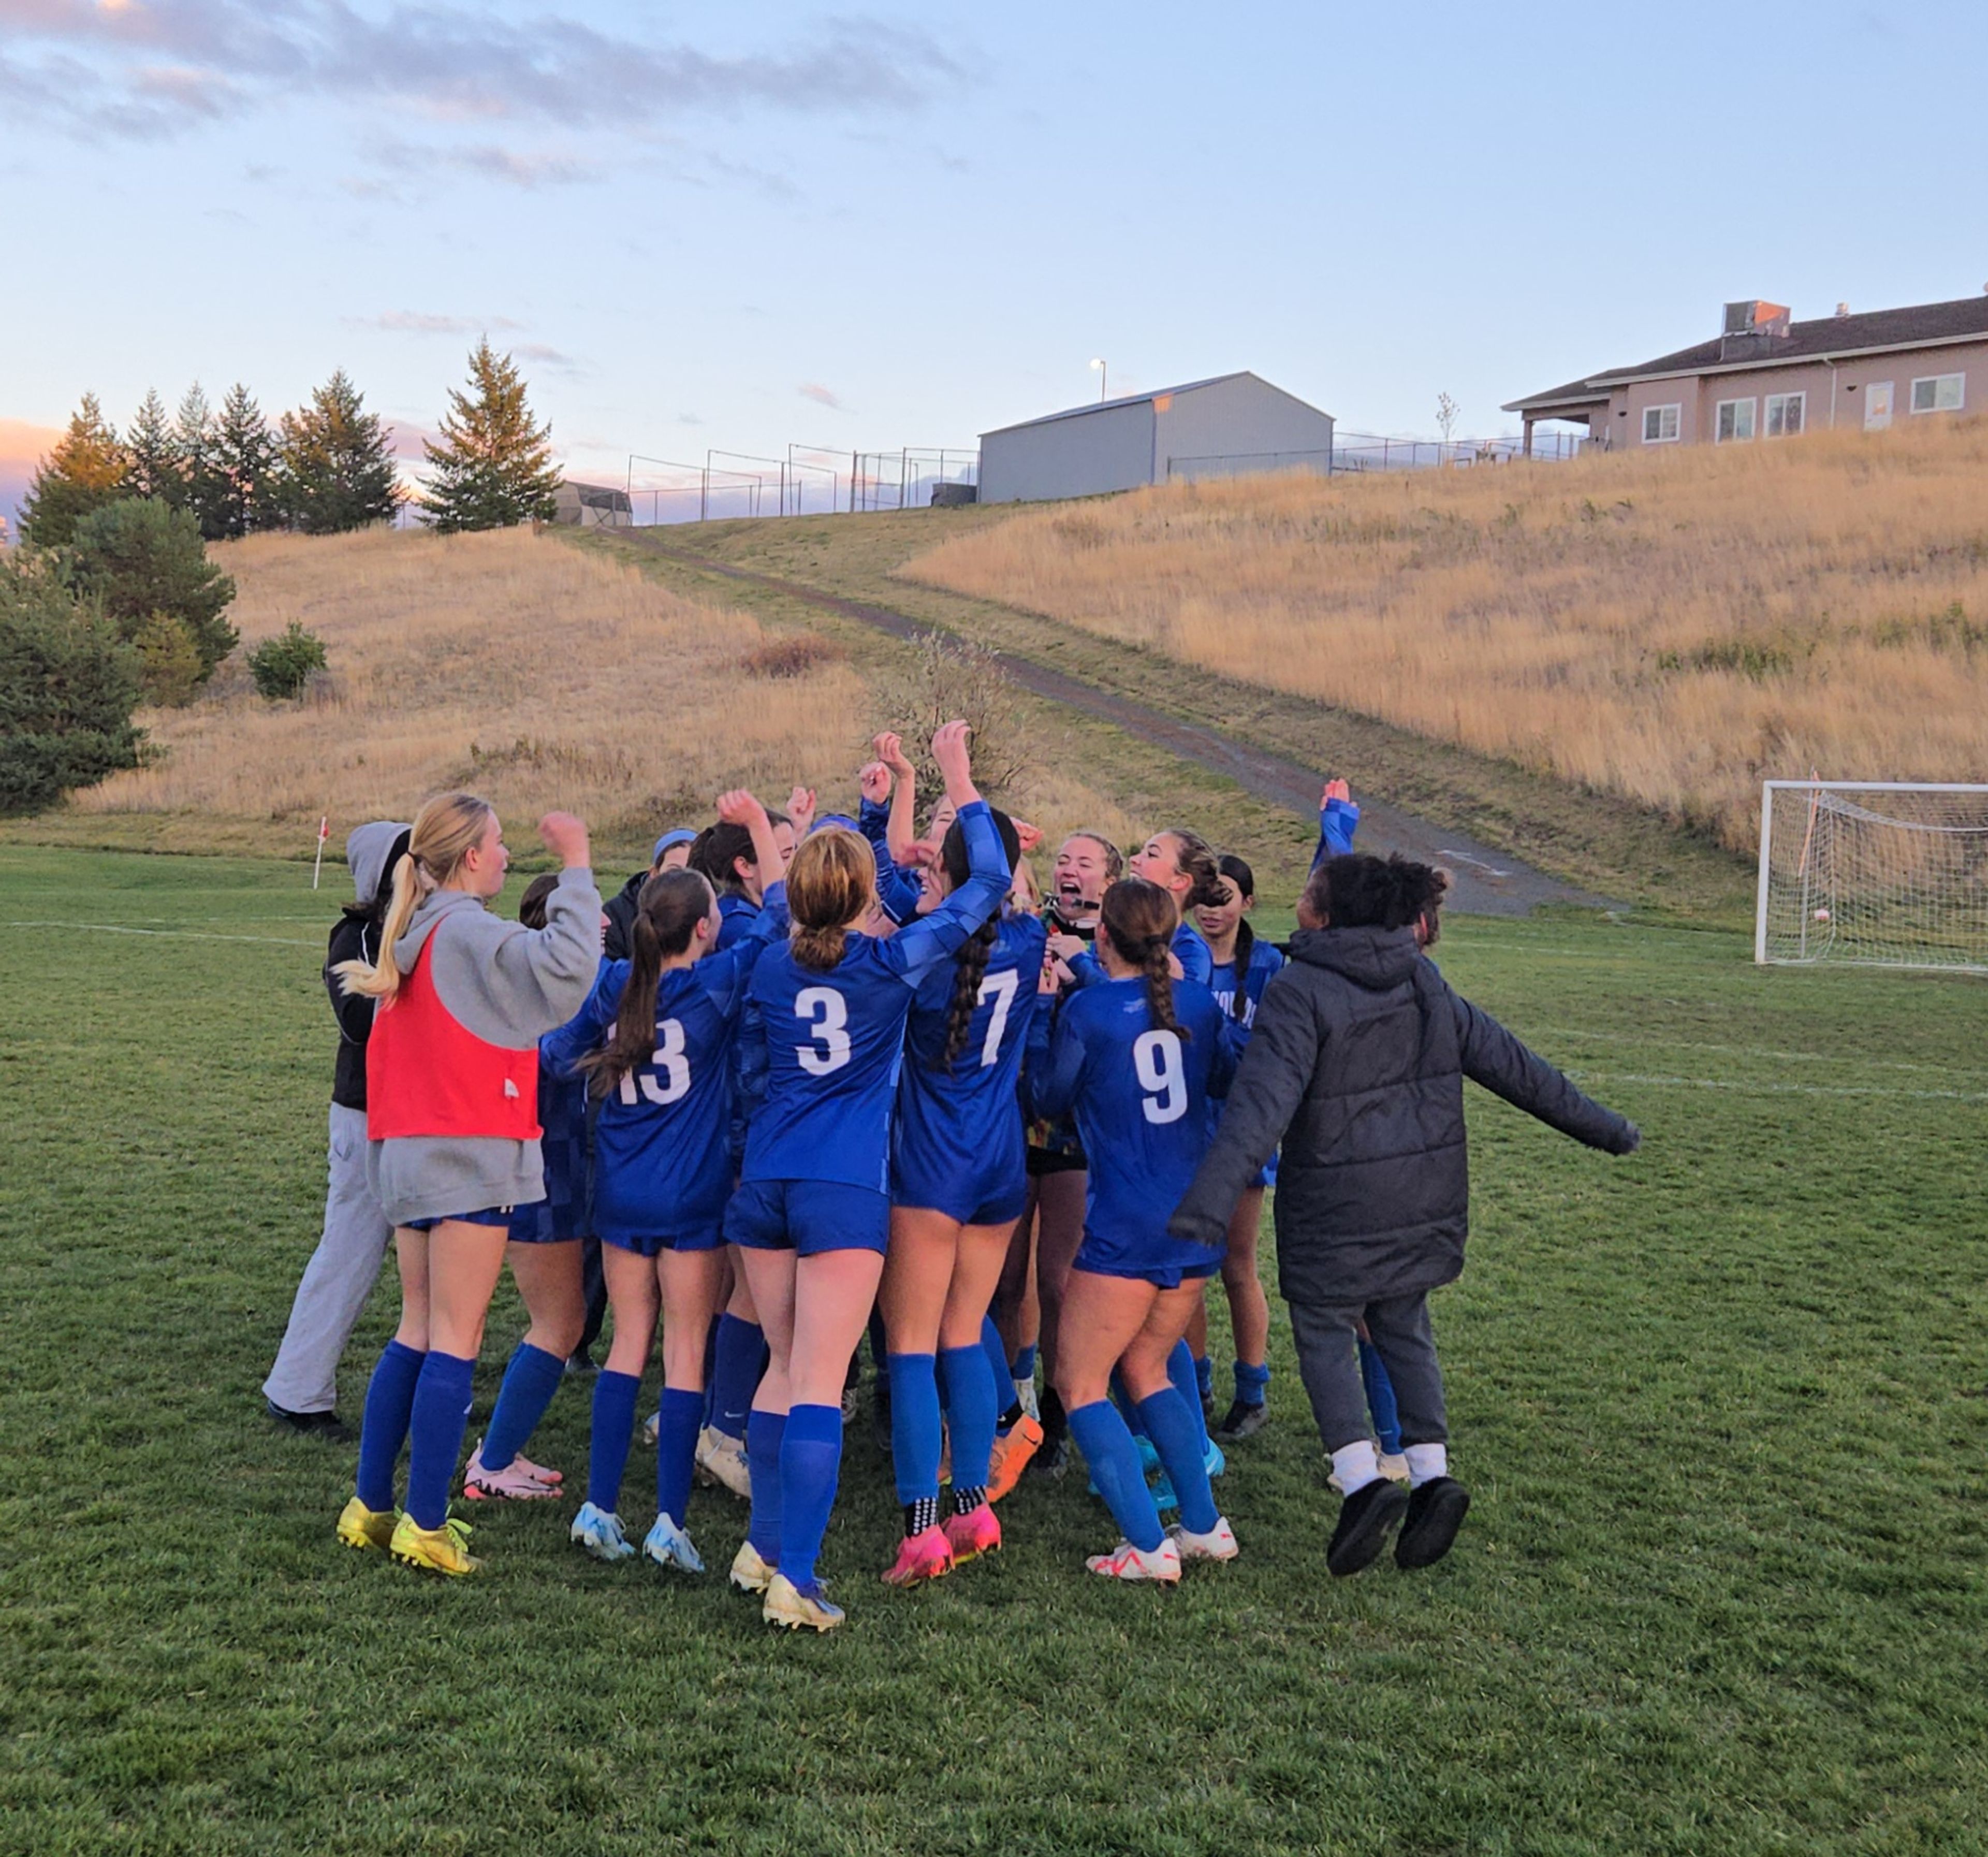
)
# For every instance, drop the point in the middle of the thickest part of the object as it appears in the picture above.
(738, 227)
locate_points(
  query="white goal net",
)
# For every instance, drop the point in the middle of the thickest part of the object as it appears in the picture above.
(1887, 874)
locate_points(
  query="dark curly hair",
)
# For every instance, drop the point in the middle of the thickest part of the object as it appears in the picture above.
(1357, 890)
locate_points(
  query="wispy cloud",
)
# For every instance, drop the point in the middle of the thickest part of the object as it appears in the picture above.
(414, 322)
(821, 395)
(489, 160)
(547, 358)
(139, 70)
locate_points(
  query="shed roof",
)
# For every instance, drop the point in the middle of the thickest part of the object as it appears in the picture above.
(1106, 406)
(1960, 320)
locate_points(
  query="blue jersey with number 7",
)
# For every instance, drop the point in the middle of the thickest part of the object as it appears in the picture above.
(1141, 1096)
(834, 1042)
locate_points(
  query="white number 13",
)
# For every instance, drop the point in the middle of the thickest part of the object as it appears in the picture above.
(826, 1013)
(1156, 1056)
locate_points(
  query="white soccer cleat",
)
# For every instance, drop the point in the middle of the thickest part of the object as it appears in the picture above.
(1162, 1567)
(520, 1480)
(1218, 1544)
(652, 1427)
(600, 1534)
(1395, 1469)
(669, 1546)
(722, 1458)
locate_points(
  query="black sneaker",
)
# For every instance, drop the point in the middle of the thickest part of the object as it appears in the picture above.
(1243, 1421)
(1436, 1509)
(327, 1426)
(580, 1365)
(1366, 1519)
(1051, 1459)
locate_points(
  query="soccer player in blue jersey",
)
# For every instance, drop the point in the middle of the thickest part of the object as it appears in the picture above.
(958, 1184)
(655, 1038)
(1137, 1058)
(812, 1213)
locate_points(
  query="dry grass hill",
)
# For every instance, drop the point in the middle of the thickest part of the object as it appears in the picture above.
(1670, 627)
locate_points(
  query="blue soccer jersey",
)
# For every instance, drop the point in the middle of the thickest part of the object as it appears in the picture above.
(833, 1043)
(1141, 1096)
(958, 1145)
(662, 1140)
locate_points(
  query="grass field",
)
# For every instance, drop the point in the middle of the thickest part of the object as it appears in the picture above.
(1722, 1405)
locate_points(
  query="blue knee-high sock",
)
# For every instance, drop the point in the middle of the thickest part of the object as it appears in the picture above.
(737, 1358)
(390, 1403)
(973, 1403)
(764, 1432)
(1187, 1383)
(1252, 1383)
(1022, 1368)
(682, 1411)
(810, 1467)
(915, 1427)
(1380, 1400)
(1102, 1436)
(440, 1416)
(530, 1380)
(1128, 1407)
(997, 1364)
(1174, 1426)
(614, 1397)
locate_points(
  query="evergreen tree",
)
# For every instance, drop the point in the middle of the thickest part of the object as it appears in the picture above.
(193, 438)
(137, 559)
(88, 468)
(338, 462)
(244, 466)
(155, 458)
(493, 469)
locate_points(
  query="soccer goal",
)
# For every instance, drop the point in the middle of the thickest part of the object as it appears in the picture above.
(1886, 874)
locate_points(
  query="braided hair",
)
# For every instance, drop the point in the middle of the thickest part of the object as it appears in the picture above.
(1239, 874)
(972, 961)
(1138, 917)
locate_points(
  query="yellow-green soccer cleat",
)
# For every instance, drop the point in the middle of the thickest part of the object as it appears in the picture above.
(789, 1607)
(750, 1574)
(359, 1526)
(443, 1550)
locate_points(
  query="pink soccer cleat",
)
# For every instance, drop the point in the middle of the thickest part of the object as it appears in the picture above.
(519, 1481)
(972, 1535)
(922, 1557)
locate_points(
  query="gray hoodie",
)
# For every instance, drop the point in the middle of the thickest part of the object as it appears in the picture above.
(510, 985)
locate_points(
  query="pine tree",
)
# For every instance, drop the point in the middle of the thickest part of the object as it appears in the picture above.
(155, 458)
(338, 462)
(193, 438)
(244, 466)
(137, 559)
(88, 468)
(493, 469)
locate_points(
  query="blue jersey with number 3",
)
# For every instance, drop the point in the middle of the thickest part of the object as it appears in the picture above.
(1142, 1097)
(834, 1041)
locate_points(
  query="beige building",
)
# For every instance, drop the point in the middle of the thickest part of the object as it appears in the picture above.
(1766, 377)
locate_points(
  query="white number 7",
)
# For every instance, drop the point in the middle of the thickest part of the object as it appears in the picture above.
(1000, 988)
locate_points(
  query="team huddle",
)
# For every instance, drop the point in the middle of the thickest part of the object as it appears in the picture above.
(807, 1078)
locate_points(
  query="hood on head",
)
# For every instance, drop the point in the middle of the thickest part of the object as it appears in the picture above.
(367, 851)
(1376, 959)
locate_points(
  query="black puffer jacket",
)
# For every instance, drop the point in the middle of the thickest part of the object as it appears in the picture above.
(1357, 1062)
(620, 910)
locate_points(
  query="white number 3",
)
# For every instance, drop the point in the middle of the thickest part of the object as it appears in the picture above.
(826, 1012)
(1156, 1056)
(669, 1058)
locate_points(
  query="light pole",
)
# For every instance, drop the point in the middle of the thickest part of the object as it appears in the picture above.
(1103, 377)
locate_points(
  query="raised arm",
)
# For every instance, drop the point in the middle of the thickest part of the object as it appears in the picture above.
(898, 891)
(1338, 820)
(903, 824)
(1494, 1059)
(587, 1030)
(935, 937)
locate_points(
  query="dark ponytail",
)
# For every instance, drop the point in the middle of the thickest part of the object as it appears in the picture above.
(1193, 856)
(971, 967)
(1138, 917)
(667, 910)
(1245, 881)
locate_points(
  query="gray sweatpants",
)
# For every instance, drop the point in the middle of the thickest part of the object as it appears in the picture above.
(1327, 1339)
(336, 1281)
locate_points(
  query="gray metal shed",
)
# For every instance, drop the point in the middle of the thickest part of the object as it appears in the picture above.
(1223, 427)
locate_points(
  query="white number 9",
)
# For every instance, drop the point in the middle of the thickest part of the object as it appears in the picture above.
(1156, 1056)
(826, 1012)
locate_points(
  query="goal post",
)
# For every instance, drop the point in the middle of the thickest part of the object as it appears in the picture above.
(1874, 873)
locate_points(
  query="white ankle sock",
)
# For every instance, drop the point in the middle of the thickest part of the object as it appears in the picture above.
(1355, 1465)
(1426, 1463)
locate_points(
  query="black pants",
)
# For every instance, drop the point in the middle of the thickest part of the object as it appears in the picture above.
(1329, 1362)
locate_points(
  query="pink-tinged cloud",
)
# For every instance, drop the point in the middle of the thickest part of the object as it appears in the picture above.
(22, 447)
(821, 395)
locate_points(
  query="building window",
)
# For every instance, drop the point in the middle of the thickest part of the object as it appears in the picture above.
(1660, 425)
(1784, 414)
(1736, 421)
(1939, 394)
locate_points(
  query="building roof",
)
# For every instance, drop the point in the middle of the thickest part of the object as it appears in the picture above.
(1106, 406)
(1964, 319)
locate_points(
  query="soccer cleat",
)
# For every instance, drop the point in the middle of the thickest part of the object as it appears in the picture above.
(514, 1482)
(539, 1473)
(1436, 1509)
(972, 1535)
(1242, 1421)
(1012, 1455)
(1366, 1519)
(600, 1534)
(1162, 1567)
(722, 1458)
(652, 1427)
(359, 1526)
(443, 1550)
(787, 1606)
(669, 1546)
(749, 1574)
(925, 1556)
(327, 1426)
(1052, 1458)
(1218, 1544)
(1163, 1496)
(1394, 1467)
(1025, 1397)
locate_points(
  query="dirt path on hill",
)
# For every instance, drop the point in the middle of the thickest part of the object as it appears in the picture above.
(1488, 882)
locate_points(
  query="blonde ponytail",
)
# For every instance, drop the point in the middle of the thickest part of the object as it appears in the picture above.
(444, 831)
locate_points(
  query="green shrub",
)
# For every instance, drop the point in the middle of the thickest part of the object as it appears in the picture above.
(138, 557)
(169, 667)
(282, 666)
(68, 685)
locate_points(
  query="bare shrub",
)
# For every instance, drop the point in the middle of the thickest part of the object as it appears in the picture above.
(793, 656)
(950, 677)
